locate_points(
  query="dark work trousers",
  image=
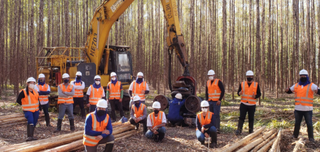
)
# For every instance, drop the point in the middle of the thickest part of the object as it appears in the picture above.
(144, 123)
(308, 118)
(243, 112)
(45, 109)
(80, 102)
(115, 103)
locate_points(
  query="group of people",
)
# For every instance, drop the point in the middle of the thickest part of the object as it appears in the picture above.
(98, 128)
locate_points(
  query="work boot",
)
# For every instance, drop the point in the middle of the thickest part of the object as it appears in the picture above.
(145, 129)
(83, 114)
(213, 143)
(72, 124)
(33, 138)
(161, 136)
(29, 132)
(108, 148)
(202, 142)
(310, 133)
(240, 125)
(136, 126)
(58, 126)
(156, 138)
(47, 120)
(250, 127)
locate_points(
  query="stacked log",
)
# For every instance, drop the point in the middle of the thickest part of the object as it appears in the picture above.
(16, 119)
(259, 141)
(66, 142)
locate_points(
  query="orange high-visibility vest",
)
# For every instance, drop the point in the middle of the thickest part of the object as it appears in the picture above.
(78, 93)
(62, 100)
(95, 95)
(30, 102)
(114, 90)
(44, 99)
(156, 121)
(205, 120)
(213, 90)
(138, 112)
(303, 96)
(96, 126)
(138, 88)
(247, 92)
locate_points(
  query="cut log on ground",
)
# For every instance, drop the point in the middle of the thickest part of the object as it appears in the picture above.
(299, 145)
(242, 141)
(264, 143)
(267, 146)
(256, 142)
(275, 145)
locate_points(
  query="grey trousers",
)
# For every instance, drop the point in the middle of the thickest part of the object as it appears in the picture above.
(108, 140)
(65, 109)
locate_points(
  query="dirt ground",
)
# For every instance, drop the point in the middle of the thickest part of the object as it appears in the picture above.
(176, 139)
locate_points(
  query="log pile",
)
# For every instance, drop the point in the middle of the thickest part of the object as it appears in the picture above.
(259, 141)
(17, 119)
(67, 142)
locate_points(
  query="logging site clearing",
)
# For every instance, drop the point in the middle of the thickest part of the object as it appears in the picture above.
(273, 114)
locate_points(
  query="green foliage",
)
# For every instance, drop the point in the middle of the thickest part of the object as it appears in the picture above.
(316, 126)
(280, 124)
(228, 127)
(225, 103)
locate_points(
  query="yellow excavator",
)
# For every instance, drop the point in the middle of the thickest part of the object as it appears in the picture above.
(98, 57)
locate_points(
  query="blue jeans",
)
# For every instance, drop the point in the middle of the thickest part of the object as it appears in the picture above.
(200, 135)
(65, 109)
(216, 110)
(32, 117)
(149, 133)
(308, 118)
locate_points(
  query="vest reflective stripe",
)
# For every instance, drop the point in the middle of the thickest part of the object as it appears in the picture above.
(303, 96)
(78, 93)
(139, 88)
(204, 121)
(91, 140)
(114, 92)
(214, 91)
(95, 95)
(44, 99)
(154, 121)
(62, 100)
(30, 102)
(248, 91)
(138, 112)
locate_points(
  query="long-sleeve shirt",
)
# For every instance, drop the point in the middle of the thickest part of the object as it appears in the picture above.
(108, 91)
(21, 96)
(141, 117)
(78, 87)
(88, 126)
(164, 119)
(220, 84)
(43, 92)
(89, 92)
(65, 94)
(258, 90)
(314, 88)
(131, 88)
(212, 123)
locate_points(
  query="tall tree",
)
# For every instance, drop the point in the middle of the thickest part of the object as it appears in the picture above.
(258, 60)
(66, 21)
(224, 39)
(40, 36)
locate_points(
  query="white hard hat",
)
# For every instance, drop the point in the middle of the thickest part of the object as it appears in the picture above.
(136, 98)
(303, 72)
(211, 72)
(178, 96)
(249, 73)
(31, 79)
(41, 75)
(102, 103)
(204, 103)
(78, 73)
(66, 75)
(140, 74)
(97, 77)
(156, 105)
(113, 74)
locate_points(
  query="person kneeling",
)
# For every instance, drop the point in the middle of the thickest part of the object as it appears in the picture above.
(206, 125)
(138, 114)
(156, 122)
(98, 129)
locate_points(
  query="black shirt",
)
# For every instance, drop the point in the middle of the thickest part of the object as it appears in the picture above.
(220, 84)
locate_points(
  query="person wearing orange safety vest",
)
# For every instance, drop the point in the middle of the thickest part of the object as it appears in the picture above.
(44, 92)
(115, 95)
(156, 122)
(29, 100)
(98, 129)
(79, 86)
(214, 95)
(94, 93)
(205, 126)
(304, 92)
(250, 92)
(65, 102)
(139, 87)
(138, 114)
